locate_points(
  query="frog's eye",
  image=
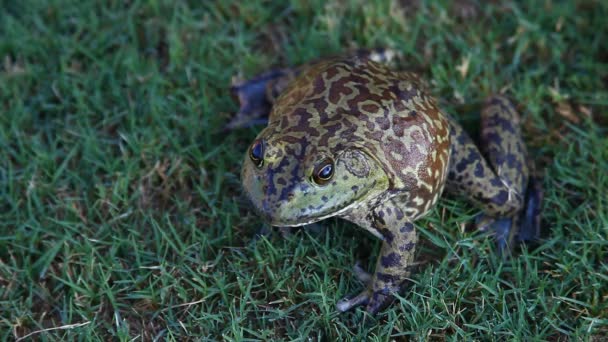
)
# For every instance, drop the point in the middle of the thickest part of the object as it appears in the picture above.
(323, 172)
(256, 153)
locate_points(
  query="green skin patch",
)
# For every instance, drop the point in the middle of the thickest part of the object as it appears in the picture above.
(351, 138)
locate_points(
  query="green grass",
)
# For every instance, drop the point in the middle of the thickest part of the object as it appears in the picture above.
(120, 207)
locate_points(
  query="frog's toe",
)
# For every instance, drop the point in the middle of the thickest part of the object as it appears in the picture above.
(361, 274)
(378, 301)
(502, 234)
(252, 97)
(349, 303)
(501, 227)
(530, 217)
(374, 301)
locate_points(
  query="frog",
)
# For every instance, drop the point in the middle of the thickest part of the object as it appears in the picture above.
(353, 138)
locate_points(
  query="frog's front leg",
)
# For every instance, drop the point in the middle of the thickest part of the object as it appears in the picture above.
(399, 237)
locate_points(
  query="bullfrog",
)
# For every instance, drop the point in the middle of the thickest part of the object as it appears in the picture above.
(350, 137)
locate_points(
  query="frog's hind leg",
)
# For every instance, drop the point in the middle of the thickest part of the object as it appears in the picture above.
(529, 227)
(257, 94)
(504, 148)
(495, 179)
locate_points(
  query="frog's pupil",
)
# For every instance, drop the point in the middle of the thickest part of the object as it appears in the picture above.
(326, 172)
(257, 152)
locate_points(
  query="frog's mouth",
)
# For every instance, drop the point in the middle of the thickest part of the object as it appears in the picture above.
(287, 214)
(302, 220)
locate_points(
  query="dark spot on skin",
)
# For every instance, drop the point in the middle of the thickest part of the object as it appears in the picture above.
(391, 260)
(462, 138)
(398, 214)
(383, 123)
(370, 108)
(400, 123)
(388, 235)
(387, 278)
(374, 135)
(331, 132)
(464, 162)
(344, 178)
(404, 94)
(512, 161)
(498, 121)
(355, 188)
(379, 221)
(406, 228)
(389, 211)
(479, 170)
(496, 182)
(324, 198)
(407, 246)
(498, 157)
(501, 198)
(492, 138)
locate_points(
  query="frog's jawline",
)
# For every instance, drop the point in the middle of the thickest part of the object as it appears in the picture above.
(356, 203)
(315, 219)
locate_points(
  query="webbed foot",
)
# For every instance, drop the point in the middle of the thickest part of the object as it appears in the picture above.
(529, 230)
(361, 274)
(374, 301)
(523, 228)
(253, 98)
(362, 298)
(503, 229)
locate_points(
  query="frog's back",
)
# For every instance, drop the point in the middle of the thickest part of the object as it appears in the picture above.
(356, 102)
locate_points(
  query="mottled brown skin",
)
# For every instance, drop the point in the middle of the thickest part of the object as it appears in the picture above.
(391, 150)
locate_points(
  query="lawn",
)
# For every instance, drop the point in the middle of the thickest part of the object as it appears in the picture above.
(121, 210)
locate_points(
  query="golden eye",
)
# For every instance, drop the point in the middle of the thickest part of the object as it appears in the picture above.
(256, 153)
(323, 172)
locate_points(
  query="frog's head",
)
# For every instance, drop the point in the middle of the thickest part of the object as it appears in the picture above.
(295, 178)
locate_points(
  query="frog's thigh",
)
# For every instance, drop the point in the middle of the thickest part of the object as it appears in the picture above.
(502, 143)
(496, 185)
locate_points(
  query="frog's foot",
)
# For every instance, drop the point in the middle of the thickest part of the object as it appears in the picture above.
(502, 229)
(524, 227)
(374, 301)
(347, 303)
(361, 274)
(255, 97)
(529, 230)
(253, 101)
(362, 298)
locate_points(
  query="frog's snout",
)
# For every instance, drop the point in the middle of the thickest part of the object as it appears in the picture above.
(257, 192)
